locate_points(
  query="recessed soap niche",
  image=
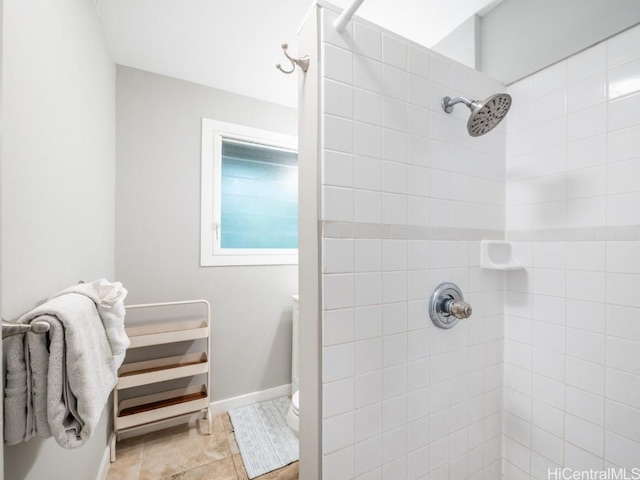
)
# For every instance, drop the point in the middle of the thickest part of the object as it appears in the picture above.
(497, 255)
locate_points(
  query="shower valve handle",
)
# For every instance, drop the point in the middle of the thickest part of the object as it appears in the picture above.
(457, 308)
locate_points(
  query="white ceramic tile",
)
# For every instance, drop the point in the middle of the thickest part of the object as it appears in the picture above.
(418, 152)
(585, 375)
(623, 209)
(338, 255)
(394, 114)
(367, 73)
(554, 133)
(588, 122)
(623, 47)
(623, 145)
(337, 397)
(367, 140)
(578, 459)
(623, 322)
(368, 355)
(338, 465)
(587, 152)
(367, 206)
(367, 322)
(394, 445)
(623, 387)
(367, 255)
(395, 145)
(551, 105)
(394, 318)
(367, 173)
(587, 63)
(418, 61)
(623, 355)
(623, 112)
(586, 212)
(585, 345)
(368, 455)
(587, 182)
(550, 79)
(394, 82)
(585, 315)
(440, 70)
(394, 413)
(621, 451)
(621, 177)
(337, 169)
(549, 337)
(585, 285)
(586, 93)
(338, 327)
(367, 289)
(585, 405)
(331, 35)
(394, 51)
(624, 80)
(418, 181)
(367, 106)
(418, 90)
(549, 364)
(368, 422)
(548, 445)
(338, 362)
(394, 209)
(338, 134)
(338, 291)
(522, 90)
(418, 120)
(338, 64)
(338, 99)
(622, 288)
(584, 434)
(337, 433)
(623, 420)
(368, 388)
(394, 177)
(586, 256)
(548, 418)
(367, 41)
(548, 390)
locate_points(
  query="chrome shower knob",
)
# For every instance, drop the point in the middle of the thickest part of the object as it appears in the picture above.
(447, 305)
(459, 310)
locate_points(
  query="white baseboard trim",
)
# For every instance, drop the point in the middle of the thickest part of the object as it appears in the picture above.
(104, 464)
(223, 406)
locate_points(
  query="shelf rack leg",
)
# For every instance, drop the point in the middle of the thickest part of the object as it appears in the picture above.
(208, 414)
(112, 447)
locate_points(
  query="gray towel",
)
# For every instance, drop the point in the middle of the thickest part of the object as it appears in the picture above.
(59, 383)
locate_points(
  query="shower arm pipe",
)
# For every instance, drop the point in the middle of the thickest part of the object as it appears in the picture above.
(448, 103)
(346, 15)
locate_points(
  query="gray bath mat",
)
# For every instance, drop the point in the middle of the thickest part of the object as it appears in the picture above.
(264, 438)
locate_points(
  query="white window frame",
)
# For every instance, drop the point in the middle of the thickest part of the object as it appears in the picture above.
(211, 254)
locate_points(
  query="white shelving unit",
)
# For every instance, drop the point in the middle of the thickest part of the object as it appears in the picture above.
(145, 410)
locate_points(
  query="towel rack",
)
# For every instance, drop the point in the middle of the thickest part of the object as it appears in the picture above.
(10, 328)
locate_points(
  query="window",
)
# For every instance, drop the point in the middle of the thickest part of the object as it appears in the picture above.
(249, 196)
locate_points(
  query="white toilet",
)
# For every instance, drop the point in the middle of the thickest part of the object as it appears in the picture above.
(293, 418)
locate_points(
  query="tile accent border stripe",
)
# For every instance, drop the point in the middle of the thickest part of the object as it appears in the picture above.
(357, 230)
(584, 234)
(404, 232)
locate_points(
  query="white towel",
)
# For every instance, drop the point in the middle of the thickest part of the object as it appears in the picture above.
(58, 383)
(109, 299)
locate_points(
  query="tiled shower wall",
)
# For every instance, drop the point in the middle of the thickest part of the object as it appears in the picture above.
(572, 385)
(407, 196)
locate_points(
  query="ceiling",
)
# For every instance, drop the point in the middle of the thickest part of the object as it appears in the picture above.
(234, 45)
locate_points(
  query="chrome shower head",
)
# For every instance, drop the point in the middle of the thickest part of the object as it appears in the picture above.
(485, 116)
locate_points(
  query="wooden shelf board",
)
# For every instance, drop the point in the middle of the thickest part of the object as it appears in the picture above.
(162, 403)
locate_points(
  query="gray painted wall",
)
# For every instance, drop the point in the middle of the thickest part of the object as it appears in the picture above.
(58, 174)
(158, 226)
(520, 37)
(462, 44)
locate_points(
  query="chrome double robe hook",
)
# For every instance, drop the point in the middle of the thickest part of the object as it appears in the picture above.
(302, 62)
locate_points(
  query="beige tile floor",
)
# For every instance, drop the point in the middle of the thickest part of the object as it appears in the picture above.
(183, 452)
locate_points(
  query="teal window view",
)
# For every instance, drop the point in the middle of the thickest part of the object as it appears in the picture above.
(258, 197)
